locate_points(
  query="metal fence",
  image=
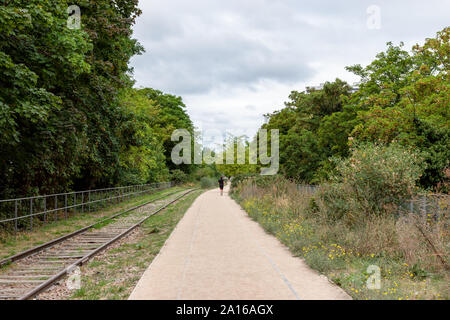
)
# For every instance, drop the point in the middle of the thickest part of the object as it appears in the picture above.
(21, 213)
(431, 206)
(307, 188)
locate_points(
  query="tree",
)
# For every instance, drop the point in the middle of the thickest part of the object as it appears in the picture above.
(141, 158)
(421, 116)
(172, 115)
(304, 143)
(39, 59)
(59, 89)
(236, 149)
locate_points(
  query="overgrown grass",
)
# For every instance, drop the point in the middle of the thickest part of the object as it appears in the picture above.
(343, 252)
(114, 274)
(11, 244)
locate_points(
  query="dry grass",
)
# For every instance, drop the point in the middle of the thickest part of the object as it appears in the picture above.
(412, 253)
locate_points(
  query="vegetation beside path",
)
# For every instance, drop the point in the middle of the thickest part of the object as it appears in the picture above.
(349, 228)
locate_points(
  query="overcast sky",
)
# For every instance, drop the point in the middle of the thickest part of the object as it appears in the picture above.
(233, 61)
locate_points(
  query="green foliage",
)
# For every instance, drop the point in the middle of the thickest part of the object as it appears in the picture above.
(208, 182)
(68, 116)
(305, 144)
(172, 115)
(421, 118)
(372, 181)
(403, 97)
(141, 158)
(39, 59)
(237, 150)
(205, 171)
(178, 176)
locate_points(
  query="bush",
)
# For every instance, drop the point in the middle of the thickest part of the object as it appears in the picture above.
(344, 248)
(204, 172)
(179, 176)
(207, 182)
(373, 181)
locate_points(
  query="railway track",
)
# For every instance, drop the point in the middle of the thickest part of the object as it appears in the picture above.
(33, 271)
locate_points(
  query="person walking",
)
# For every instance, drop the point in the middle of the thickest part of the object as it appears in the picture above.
(221, 183)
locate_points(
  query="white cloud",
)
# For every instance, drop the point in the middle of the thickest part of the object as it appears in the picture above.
(233, 61)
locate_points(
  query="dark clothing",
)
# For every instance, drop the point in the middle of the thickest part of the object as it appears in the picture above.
(221, 183)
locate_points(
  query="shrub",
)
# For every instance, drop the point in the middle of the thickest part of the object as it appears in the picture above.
(373, 181)
(207, 182)
(204, 172)
(179, 176)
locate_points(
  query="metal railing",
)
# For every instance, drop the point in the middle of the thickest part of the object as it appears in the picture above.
(431, 206)
(20, 213)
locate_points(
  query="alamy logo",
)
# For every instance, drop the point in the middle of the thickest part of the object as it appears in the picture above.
(186, 152)
(374, 280)
(73, 282)
(74, 19)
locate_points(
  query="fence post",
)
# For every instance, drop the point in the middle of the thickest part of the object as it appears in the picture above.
(82, 202)
(56, 208)
(65, 206)
(424, 206)
(45, 209)
(89, 201)
(15, 216)
(438, 206)
(75, 203)
(31, 214)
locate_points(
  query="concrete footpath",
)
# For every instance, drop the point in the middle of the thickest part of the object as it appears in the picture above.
(217, 252)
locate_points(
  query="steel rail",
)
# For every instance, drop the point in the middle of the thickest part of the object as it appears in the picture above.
(85, 258)
(51, 243)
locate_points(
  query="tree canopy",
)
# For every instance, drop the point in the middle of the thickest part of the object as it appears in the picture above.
(69, 118)
(403, 97)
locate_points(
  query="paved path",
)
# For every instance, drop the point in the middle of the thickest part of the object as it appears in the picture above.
(217, 252)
